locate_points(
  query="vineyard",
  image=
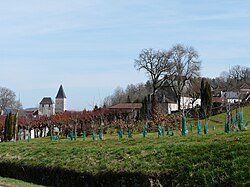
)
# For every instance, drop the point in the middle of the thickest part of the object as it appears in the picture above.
(97, 121)
(105, 120)
(217, 158)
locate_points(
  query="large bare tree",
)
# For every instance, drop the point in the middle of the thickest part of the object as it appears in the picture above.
(157, 66)
(8, 99)
(186, 66)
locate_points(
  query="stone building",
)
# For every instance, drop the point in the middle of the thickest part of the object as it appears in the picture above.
(61, 100)
(46, 107)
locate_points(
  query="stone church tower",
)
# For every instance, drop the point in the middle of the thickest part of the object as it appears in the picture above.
(61, 99)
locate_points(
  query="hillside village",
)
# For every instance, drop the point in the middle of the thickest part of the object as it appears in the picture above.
(165, 98)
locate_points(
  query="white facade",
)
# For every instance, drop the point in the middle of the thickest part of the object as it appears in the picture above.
(186, 103)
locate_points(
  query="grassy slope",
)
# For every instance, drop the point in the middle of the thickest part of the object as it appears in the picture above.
(14, 183)
(214, 158)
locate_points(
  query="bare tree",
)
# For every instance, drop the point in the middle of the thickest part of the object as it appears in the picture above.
(8, 99)
(194, 91)
(186, 66)
(238, 75)
(157, 66)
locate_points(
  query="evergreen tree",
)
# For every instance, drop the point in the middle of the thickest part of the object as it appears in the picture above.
(9, 130)
(209, 99)
(144, 108)
(206, 99)
(203, 103)
(15, 128)
(128, 99)
(5, 127)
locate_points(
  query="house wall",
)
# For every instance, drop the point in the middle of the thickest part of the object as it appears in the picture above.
(233, 100)
(186, 103)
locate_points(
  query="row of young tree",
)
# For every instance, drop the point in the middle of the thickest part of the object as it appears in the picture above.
(100, 120)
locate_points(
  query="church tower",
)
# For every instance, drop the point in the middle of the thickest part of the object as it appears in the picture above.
(61, 99)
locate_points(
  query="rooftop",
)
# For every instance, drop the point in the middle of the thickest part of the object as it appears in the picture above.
(47, 100)
(130, 106)
(245, 86)
(61, 93)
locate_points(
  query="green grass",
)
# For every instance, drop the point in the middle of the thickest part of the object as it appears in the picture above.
(216, 158)
(15, 183)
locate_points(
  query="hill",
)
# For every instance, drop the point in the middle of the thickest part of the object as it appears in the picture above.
(215, 159)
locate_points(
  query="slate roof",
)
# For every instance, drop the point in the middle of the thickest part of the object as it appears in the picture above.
(47, 100)
(231, 95)
(61, 93)
(165, 94)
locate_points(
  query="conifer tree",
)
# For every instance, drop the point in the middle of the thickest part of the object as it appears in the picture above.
(9, 129)
(206, 99)
(15, 129)
(209, 99)
(6, 127)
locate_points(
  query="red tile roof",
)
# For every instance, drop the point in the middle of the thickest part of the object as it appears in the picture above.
(130, 106)
(245, 86)
(218, 99)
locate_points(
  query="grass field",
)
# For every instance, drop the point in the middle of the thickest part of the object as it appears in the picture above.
(213, 159)
(15, 183)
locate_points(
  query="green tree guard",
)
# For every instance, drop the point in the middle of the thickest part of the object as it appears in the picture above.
(191, 127)
(29, 138)
(205, 128)
(184, 130)
(130, 133)
(199, 128)
(145, 132)
(120, 133)
(93, 135)
(168, 133)
(227, 127)
(162, 131)
(241, 117)
(159, 131)
(57, 137)
(75, 135)
(172, 132)
(247, 123)
(84, 136)
(71, 135)
(101, 135)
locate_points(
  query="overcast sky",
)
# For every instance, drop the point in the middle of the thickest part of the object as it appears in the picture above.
(89, 46)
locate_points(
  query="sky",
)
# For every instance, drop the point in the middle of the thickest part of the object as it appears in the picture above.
(89, 46)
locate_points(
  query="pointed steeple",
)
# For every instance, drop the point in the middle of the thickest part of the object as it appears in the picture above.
(60, 94)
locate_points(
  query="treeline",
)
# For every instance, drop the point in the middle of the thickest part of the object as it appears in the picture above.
(133, 93)
(233, 79)
(230, 80)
